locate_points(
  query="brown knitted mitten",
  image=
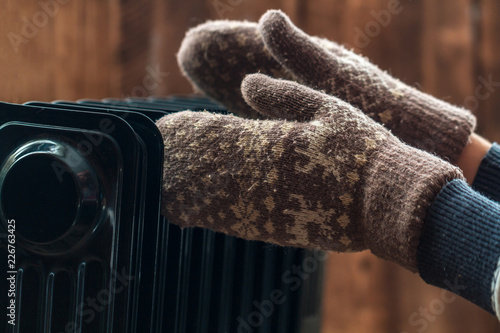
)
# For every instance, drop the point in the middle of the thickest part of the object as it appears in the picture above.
(215, 56)
(334, 179)
(415, 117)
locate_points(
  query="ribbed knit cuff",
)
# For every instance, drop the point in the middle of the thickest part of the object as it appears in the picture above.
(460, 244)
(401, 183)
(487, 179)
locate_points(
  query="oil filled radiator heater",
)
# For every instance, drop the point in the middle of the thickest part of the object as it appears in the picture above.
(84, 248)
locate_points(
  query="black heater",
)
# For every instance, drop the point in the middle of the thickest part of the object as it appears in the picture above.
(84, 248)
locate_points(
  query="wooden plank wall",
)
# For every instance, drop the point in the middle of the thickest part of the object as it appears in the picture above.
(98, 48)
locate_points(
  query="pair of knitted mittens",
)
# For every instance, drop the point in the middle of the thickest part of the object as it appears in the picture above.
(312, 169)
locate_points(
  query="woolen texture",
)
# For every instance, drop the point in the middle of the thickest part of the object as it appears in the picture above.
(335, 181)
(415, 117)
(460, 244)
(215, 57)
(487, 180)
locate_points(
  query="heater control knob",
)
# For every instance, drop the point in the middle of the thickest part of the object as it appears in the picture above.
(51, 190)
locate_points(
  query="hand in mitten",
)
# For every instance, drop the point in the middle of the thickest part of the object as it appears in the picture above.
(217, 55)
(334, 179)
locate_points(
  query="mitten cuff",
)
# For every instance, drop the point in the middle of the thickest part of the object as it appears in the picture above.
(402, 184)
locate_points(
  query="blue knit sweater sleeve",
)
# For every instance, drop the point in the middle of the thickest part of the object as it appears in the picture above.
(487, 179)
(460, 244)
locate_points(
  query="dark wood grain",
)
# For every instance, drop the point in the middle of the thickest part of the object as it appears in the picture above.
(72, 54)
(488, 65)
(97, 48)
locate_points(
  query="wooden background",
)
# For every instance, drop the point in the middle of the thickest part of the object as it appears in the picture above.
(97, 48)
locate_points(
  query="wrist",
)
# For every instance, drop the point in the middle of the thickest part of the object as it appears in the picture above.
(472, 155)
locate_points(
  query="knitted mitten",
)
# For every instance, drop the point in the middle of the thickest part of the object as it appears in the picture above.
(334, 179)
(415, 117)
(215, 56)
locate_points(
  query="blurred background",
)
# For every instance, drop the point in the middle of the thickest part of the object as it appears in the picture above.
(72, 49)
